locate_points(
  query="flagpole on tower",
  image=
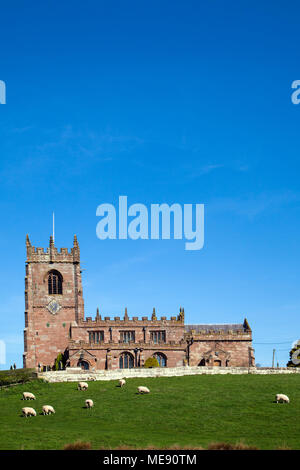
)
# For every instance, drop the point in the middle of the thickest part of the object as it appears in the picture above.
(53, 228)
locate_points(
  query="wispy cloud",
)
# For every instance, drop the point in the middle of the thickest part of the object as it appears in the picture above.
(194, 171)
(253, 205)
(125, 264)
(204, 170)
(69, 151)
(88, 143)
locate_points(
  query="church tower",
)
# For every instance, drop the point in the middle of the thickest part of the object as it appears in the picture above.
(53, 301)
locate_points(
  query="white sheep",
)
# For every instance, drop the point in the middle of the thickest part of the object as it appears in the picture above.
(122, 382)
(143, 390)
(89, 403)
(280, 397)
(28, 396)
(48, 409)
(83, 386)
(28, 412)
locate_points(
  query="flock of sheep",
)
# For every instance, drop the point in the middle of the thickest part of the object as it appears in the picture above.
(48, 409)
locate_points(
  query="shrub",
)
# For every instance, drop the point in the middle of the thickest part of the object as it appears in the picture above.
(79, 445)
(227, 446)
(151, 362)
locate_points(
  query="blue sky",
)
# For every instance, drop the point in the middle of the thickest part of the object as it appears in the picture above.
(175, 102)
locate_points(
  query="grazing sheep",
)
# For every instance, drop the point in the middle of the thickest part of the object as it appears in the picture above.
(122, 382)
(280, 397)
(83, 386)
(89, 403)
(143, 390)
(48, 410)
(92, 378)
(28, 396)
(28, 412)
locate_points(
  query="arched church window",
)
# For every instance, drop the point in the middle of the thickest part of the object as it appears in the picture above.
(126, 361)
(54, 283)
(161, 358)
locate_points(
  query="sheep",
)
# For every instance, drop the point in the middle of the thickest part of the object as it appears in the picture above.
(28, 412)
(280, 397)
(143, 390)
(122, 382)
(48, 409)
(83, 386)
(28, 396)
(89, 403)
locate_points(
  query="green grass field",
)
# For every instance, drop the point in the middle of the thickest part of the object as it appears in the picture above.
(187, 411)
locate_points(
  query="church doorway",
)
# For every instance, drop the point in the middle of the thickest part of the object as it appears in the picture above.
(83, 364)
(217, 363)
(202, 362)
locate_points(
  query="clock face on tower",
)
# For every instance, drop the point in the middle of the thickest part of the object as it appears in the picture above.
(53, 306)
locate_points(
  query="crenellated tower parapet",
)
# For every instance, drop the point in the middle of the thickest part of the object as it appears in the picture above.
(51, 254)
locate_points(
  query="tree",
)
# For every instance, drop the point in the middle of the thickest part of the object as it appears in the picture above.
(295, 355)
(60, 359)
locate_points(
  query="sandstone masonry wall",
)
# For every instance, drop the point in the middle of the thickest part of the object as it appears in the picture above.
(76, 374)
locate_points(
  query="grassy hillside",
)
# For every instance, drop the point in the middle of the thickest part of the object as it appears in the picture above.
(16, 376)
(187, 411)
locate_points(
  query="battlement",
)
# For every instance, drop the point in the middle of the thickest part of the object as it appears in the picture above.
(80, 344)
(218, 332)
(134, 321)
(51, 254)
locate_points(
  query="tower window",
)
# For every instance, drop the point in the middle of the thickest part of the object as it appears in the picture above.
(54, 283)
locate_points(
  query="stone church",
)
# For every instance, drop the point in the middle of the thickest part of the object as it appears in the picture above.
(55, 323)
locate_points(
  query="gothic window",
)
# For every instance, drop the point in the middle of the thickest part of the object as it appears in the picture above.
(158, 336)
(126, 361)
(161, 358)
(96, 336)
(54, 283)
(127, 336)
